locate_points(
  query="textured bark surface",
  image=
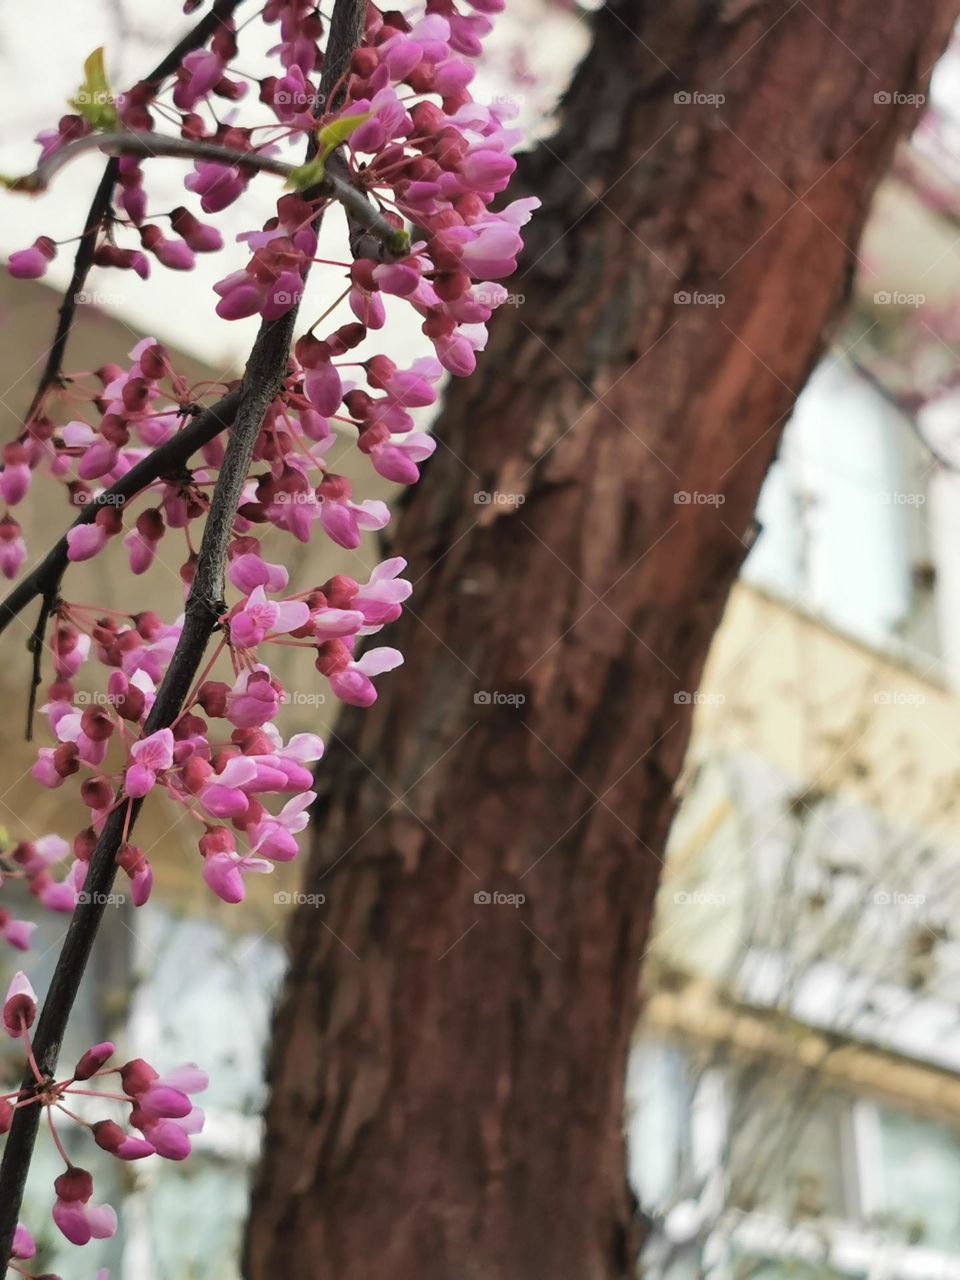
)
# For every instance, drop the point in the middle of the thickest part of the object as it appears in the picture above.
(447, 1075)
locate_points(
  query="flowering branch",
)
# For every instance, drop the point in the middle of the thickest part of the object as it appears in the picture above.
(376, 141)
(44, 579)
(392, 243)
(101, 203)
(262, 380)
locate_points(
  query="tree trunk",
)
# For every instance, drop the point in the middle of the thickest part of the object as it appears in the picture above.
(447, 1073)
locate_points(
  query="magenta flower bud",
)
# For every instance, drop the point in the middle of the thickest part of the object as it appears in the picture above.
(23, 1243)
(199, 236)
(137, 1076)
(487, 170)
(324, 389)
(32, 263)
(13, 549)
(242, 300)
(212, 696)
(20, 1005)
(93, 1060)
(110, 1137)
(96, 793)
(74, 1184)
(164, 1102)
(79, 1220)
(84, 541)
(175, 254)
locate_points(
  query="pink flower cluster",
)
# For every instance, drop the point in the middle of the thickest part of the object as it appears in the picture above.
(439, 165)
(160, 1110)
(418, 150)
(224, 758)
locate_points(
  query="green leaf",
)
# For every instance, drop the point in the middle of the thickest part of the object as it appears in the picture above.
(330, 137)
(94, 101)
(398, 245)
(307, 175)
(338, 131)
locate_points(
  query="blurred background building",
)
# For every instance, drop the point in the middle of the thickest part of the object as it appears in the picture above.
(795, 1084)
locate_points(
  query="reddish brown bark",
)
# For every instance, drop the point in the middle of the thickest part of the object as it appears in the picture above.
(447, 1077)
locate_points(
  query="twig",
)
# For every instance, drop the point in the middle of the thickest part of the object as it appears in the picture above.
(262, 379)
(166, 459)
(37, 637)
(905, 411)
(392, 242)
(100, 207)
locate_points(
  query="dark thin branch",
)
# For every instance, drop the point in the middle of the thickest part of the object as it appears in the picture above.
(35, 645)
(904, 409)
(100, 207)
(393, 243)
(262, 379)
(144, 144)
(44, 578)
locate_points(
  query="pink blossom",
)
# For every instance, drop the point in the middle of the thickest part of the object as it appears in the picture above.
(78, 1219)
(397, 460)
(15, 477)
(124, 1146)
(353, 684)
(274, 836)
(323, 389)
(13, 549)
(224, 872)
(328, 624)
(432, 158)
(380, 599)
(84, 541)
(170, 1138)
(23, 1243)
(151, 755)
(217, 185)
(343, 519)
(253, 700)
(222, 796)
(241, 296)
(32, 263)
(260, 617)
(19, 1006)
(248, 571)
(16, 933)
(200, 71)
(62, 896)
